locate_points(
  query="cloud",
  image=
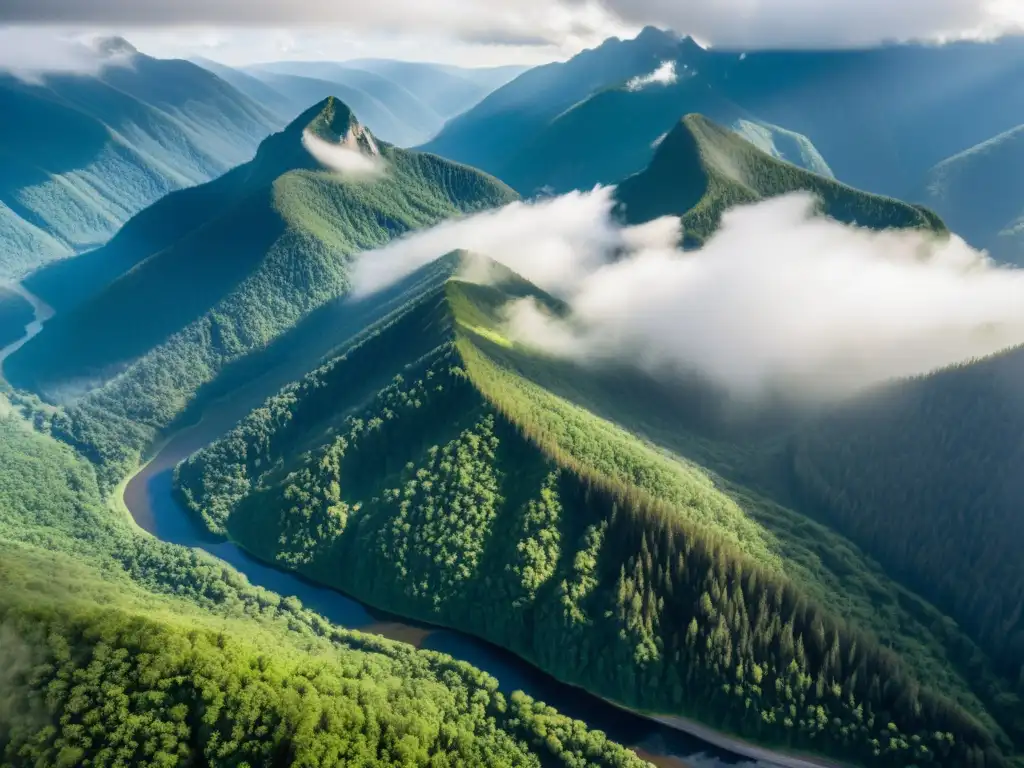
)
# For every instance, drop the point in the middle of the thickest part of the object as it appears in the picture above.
(345, 158)
(779, 301)
(31, 54)
(825, 23)
(552, 241)
(665, 74)
(508, 22)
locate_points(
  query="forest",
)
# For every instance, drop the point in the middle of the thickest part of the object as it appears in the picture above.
(119, 649)
(459, 489)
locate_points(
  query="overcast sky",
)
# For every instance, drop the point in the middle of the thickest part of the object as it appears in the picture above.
(487, 32)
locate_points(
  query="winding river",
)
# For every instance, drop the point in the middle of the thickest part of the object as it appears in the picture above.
(666, 742)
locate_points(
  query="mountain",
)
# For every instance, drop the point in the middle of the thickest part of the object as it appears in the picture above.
(404, 103)
(701, 169)
(489, 134)
(923, 474)
(980, 193)
(156, 638)
(879, 118)
(448, 90)
(435, 468)
(80, 154)
(210, 273)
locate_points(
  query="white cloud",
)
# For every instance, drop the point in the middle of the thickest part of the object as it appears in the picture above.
(829, 23)
(30, 54)
(665, 74)
(777, 301)
(345, 158)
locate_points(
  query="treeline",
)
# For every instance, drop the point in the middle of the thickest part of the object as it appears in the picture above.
(441, 504)
(119, 649)
(923, 474)
(186, 305)
(700, 170)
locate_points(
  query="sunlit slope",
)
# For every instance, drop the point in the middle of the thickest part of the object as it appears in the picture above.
(490, 134)
(82, 153)
(427, 471)
(980, 193)
(207, 274)
(115, 642)
(701, 169)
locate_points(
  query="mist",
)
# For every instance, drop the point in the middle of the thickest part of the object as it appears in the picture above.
(344, 159)
(31, 54)
(665, 74)
(780, 301)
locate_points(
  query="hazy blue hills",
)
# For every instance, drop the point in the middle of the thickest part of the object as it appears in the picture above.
(209, 273)
(701, 169)
(81, 154)
(404, 103)
(489, 134)
(980, 193)
(878, 118)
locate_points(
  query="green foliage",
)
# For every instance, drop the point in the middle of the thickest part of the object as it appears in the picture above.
(464, 495)
(79, 154)
(700, 170)
(922, 474)
(118, 649)
(245, 257)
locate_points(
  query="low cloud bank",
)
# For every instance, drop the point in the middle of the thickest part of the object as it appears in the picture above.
(779, 301)
(31, 54)
(663, 75)
(343, 159)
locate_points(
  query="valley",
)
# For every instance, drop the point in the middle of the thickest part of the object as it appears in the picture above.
(661, 407)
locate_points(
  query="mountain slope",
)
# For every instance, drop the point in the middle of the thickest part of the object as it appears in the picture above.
(208, 274)
(455, 487)
(880, 118)
(980, 193)
(488, 135)
(393, 113)
(700, 170)
(448, 90)
(156, 637)
(81, 154)
(923, 473)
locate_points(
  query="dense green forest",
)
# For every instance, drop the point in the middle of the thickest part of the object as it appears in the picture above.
(421, 471)
(212, 273)
(923, 473)
(700, 170)
(119, 649)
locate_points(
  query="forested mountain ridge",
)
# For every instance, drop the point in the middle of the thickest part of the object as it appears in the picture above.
(924, 475)
(878, 118)
(457, 490)
(489, 134)
(80, 154)
(701, 169)
(209, 274)
(119, 648)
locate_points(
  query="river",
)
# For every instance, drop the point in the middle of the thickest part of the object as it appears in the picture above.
(148, 496)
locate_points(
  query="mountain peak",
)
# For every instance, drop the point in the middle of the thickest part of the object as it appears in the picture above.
(656, 35)
(115, 45)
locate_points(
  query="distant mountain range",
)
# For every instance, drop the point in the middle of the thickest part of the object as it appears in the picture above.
(404, 103)
(80, 154)
(900, 121)
(210, 273)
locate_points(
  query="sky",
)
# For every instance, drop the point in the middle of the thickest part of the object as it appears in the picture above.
(475, 33)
